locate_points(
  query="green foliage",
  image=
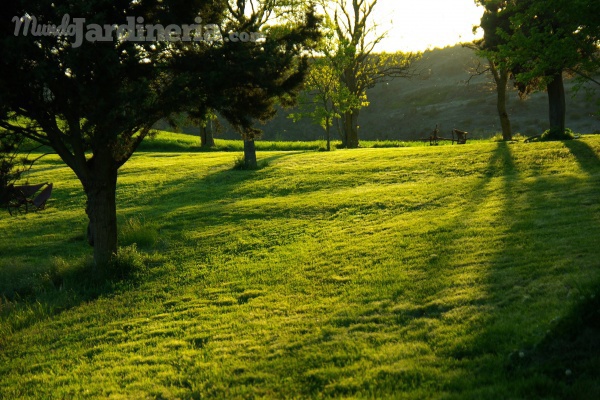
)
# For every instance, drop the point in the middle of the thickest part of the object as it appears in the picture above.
(540, 40)
(14, 158)
(9, 165)
(550, 36)
(374, 273)
(326, 98)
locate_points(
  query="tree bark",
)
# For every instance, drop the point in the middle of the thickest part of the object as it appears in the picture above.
(250, 154)
(101, 209)
(206, 135)
(501, 78)
(328, 134)
(351, 128)
(557, 106)
(340, 130)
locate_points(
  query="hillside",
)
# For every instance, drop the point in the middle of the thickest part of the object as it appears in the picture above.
(409, 109)
(455, 272)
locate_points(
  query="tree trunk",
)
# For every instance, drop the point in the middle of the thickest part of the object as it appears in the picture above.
(102, 213)
(351, 128)
(557, 106)
(206, 135)
(342, 131)
(501, 78)
(250, 154)
(328, 135)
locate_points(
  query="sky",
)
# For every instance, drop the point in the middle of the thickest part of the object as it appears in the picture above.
(416, 25)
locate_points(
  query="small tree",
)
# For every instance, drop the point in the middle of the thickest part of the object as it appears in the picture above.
(325, 99)
(356, 37)
(264, 73)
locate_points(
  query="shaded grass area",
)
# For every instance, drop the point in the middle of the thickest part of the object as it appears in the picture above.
(407, 273)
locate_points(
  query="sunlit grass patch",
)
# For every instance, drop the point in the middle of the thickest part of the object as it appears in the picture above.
(415, 272)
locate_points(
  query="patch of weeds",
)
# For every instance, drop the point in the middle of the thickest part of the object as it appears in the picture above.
(136, 230)
(554, 135)
(249, 295)
(515, 138)
(239, 164)
(129, 263)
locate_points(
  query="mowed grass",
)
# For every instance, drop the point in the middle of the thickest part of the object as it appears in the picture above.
(424, 272)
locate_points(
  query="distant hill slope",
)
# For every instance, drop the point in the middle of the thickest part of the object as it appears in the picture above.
(410, 108)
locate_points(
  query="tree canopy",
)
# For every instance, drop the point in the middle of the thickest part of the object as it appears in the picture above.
(542, 40)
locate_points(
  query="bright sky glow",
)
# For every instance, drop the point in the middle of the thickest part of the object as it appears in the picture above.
(420, 24)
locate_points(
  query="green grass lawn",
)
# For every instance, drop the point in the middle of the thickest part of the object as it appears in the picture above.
(177, 142)
(465, 272)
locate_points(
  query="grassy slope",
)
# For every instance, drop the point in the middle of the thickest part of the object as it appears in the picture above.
(407, 273)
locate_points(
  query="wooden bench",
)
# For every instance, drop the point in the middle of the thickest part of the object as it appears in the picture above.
(15, 198)
(458, 136)
(39, 202)
(461, 136)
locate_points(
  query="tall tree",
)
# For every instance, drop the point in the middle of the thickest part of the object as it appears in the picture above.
(325, 98)
(94, 102)
(357, 38)
(546, 39)
(495, 18)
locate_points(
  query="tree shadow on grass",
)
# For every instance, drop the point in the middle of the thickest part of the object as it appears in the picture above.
(566, 362)
(587, 157)
(518, 351)
(210, 201)
(31, 293)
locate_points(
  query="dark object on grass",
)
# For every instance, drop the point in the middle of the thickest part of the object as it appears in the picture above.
(461, 136)
(434, 138)
(15, 198)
